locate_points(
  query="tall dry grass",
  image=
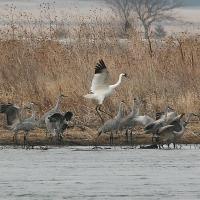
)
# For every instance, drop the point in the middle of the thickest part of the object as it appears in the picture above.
(34, 65)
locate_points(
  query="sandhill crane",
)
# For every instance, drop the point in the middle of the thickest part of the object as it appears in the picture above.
(165, 134)
(164, 119)
(41, 122)
(100, 88)
(12, 113)
(25, 125)
(57, 123)
(33, 115)
(133, 119)
(112, 124)
(179, 128)
(127, 122)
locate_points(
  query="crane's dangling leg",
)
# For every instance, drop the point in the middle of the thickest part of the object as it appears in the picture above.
(104, 111)
(97, 110)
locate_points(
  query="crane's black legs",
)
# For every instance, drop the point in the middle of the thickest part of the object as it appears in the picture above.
(98, 112)
(26, 142)
(104, 111)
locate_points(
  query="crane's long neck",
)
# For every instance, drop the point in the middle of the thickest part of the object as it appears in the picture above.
(136, 108)
(118, 82)
(188, 119)
(120, 112)
(180, 133)
(33, 112)
(57, 106)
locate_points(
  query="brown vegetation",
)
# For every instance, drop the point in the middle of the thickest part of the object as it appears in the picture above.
(36, 66)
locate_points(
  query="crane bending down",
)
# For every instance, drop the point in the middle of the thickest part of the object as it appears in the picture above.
(179, 128)
(112, 124)
(100, 88)
(57, 123)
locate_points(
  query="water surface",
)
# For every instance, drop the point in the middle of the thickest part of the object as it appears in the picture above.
(76, 173)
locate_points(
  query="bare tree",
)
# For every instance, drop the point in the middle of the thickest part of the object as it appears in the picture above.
(122, 8)
(150, 11)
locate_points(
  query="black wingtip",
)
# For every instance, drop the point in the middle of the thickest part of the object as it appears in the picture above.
(68, 116)
(100, 66)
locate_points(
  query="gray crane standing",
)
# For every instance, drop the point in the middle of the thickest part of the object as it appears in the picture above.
(133, 118)
(25, 125)
(112, 124)
(56, 109)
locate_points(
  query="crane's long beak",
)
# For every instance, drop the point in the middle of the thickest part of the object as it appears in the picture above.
(125, 75)
(62, 95)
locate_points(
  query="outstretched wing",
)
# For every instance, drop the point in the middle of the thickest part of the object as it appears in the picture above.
(143, 120)
(165, 129)
(68, 116)
(55, 117)
(101, 77)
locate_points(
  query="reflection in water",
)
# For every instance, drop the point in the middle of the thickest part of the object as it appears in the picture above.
(81, 173)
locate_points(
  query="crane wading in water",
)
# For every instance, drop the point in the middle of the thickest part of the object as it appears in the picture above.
(100, 88)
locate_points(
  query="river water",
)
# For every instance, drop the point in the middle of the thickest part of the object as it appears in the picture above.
(116, 173)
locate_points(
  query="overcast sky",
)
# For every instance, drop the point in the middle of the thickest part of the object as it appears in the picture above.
(191, 2)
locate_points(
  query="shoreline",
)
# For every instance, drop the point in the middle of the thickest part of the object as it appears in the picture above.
(78, 137)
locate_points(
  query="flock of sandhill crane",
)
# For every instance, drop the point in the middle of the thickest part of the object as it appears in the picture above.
(166, 128)
(54, 121)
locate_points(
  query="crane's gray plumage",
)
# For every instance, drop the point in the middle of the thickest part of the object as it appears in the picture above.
(112, 124)
(133, 118)
(25, 125)
(171, 132)
(179, 128)
(57, 123)
(12, 113)
(164, 119)
(127, 122)
(56, 109)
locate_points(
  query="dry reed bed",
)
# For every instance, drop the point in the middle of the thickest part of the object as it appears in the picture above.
(38, 68)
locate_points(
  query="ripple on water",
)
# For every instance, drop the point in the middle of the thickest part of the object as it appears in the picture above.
(115, 173)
